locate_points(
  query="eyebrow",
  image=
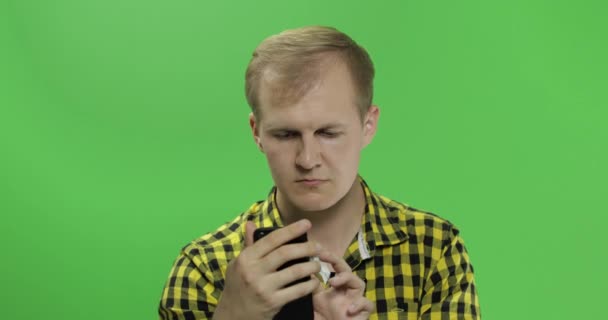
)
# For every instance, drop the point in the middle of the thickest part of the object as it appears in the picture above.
(324, 127)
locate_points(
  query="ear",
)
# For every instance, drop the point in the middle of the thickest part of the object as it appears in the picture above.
(253, 123)
(370, 124)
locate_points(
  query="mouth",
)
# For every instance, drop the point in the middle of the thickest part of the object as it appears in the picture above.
(311, 182)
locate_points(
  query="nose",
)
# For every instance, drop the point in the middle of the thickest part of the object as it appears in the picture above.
(308, 156)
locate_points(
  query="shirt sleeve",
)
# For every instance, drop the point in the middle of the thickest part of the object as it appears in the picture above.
(449, 290)
(191, 291)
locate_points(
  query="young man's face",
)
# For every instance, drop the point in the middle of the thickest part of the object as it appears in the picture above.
(313, 146)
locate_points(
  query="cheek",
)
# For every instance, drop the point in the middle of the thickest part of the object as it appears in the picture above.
(278, 157)
(343, 153)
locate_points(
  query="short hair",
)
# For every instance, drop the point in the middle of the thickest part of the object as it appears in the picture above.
(293, 61)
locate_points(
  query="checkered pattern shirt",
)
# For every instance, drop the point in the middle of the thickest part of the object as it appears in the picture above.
(414, 264)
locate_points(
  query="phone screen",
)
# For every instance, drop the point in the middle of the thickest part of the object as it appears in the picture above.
(299, 309)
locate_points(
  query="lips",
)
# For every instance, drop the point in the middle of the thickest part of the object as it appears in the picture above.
(311, 182)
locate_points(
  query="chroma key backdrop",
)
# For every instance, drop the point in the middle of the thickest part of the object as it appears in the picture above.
(124, 135)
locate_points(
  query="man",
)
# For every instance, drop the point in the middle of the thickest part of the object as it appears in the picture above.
(310, 91)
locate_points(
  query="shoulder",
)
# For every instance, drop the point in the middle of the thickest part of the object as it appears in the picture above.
(417, 223)
(427, 237)
(223, 244)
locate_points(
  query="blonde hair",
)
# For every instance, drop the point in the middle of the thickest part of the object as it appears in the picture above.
(292, 61)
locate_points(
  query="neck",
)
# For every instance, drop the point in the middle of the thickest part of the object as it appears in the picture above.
(335, 227)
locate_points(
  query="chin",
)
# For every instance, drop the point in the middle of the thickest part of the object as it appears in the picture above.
(314, 199)
(314, 203)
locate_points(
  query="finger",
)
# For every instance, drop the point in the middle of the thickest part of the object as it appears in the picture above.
(348, 280)
(249, 229)
(361, 304)
(281, 236)
(289, 252)
(336, 262)
(296, 291)
(296, 272)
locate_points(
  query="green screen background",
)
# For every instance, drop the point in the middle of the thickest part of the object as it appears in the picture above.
(124, 135)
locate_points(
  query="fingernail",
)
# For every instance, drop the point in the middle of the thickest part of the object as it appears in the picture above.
(318, 246)
(352, 308)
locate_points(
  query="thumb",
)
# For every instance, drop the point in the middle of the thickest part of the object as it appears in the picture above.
(249, 229)
(319, 289)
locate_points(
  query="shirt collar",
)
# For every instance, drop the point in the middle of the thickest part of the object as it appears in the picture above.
(268, 214)
(381, 224)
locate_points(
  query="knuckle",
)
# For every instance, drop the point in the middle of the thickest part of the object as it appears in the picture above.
(279, 254)
(258, 292)
(302, 289)
(240, 260)
(312, 248)
(283, 253)
(311, 267)
(277, 238)
(302, 269)
(361, 282)
(263, 296)
(268, 302)
(248, 280)
(243, 274)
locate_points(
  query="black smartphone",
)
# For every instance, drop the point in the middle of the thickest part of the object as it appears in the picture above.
(299, 309)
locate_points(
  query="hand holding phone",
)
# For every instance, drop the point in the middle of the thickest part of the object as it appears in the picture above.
(260, 281)
(301, 308)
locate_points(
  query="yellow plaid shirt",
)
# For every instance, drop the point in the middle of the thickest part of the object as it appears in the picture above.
(414, 264)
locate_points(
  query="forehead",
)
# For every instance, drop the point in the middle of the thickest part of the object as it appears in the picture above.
(329, 99)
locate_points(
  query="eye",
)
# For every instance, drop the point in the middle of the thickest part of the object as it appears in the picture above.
(284, 135)
(329, 133)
